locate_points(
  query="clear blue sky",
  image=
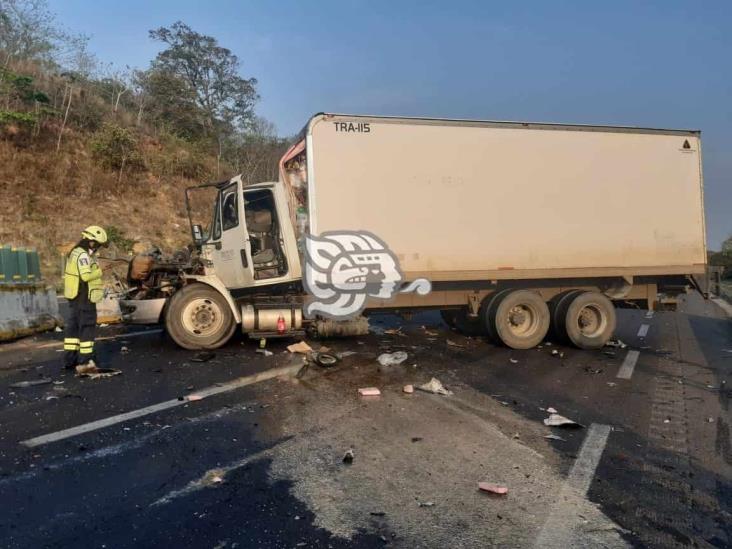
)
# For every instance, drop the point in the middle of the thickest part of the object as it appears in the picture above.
(661, 64)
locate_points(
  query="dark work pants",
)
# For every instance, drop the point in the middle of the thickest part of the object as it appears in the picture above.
(79, 332)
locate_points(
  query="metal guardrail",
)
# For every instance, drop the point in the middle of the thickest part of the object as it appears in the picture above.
(19, 265)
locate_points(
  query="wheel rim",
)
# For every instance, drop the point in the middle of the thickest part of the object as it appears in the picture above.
(202, 317)
(591, 320)
(522, 320)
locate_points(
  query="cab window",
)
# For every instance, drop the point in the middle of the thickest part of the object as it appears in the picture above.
(229, 209)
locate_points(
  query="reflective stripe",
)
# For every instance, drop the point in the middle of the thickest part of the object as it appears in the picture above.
(84, 351)
(71, 347)
(72, 340)
(87, 344)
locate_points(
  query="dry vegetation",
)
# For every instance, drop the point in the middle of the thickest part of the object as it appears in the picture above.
(83, 143)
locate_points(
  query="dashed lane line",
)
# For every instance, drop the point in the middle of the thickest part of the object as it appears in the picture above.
(210, 391)
(561, 530)
(643, 330)
(626, 369)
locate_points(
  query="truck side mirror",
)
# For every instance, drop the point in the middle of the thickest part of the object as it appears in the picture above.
(197, 234)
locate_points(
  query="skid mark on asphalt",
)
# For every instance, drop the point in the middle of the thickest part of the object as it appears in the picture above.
(626, 369)
(563, 528)
(290, 370)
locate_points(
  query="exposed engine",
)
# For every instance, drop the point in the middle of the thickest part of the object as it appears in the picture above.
(152, 275)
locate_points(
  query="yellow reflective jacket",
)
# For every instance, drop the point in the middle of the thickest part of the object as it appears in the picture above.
(80, 266)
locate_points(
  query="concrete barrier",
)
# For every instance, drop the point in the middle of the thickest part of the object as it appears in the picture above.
(27, 309)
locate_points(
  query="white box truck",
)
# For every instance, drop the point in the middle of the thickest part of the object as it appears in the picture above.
(518, 227)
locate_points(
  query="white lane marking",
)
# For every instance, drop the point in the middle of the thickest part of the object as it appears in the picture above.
(726, 307)
(643, 330)
(216, 389)
(560, 529)
(626, 369)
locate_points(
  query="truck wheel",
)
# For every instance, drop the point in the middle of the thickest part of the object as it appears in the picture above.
(520, 318)
(558, 311)
(467, 325)
(589, 320)
(449, 317)
(198, 317)
(488, 313)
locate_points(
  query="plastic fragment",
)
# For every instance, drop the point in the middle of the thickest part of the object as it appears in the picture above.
(409, 389)
(392, 359)
(434, 386)
(492, 488)
(369, 391)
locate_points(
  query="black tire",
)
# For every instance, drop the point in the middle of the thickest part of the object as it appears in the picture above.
(209, 323)
(449, 317)
(467, 325)
(558, 311)
(590, 320)
(520, 318)
(488, 314)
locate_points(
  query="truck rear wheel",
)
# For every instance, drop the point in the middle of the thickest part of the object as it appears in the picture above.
(520, 318)
(558, 311)
(589, 320)
(468, 325)
(199, 317)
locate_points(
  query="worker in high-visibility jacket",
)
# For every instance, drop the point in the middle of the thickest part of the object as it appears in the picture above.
(83, 287)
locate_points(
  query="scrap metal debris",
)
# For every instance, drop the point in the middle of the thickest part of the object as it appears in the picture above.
(369, 391)
(434, 386)
(615, 343)
(32, 383)
(392, 359)
(492, 488)
(264, 352)
(96, 373)
(300, 347)
(326, 360)
(555, 420)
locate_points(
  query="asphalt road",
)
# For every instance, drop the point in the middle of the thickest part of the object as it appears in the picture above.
(261, 465)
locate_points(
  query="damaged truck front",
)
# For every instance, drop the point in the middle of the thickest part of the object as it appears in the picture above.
(519, 227)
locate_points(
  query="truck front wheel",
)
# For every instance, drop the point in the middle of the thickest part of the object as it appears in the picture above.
(199, 317)
(589, 320)
(518, 318)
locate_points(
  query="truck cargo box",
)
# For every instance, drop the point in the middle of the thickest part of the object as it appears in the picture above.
(465, 200)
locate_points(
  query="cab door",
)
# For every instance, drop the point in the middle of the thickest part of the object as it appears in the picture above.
(229, 243)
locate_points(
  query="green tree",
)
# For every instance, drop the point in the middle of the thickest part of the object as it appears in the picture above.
(727, 246)
(211, 73)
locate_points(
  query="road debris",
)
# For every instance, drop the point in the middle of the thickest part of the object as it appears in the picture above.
(96, 373)
(344, 354)
(124, 350)
(555, 437)
(300, 347)
(593, 371)
(193, 398)
(611, 384)
(395, 331)
(615, 343)
(417, 439)
(203, 356)
(559, 354)
(513, 361)
(409, 389)
(348, 456)
(492, 488)
(377, 513)
(710, 420)
(369, 391)
(426, 503)
(429, 332)
(58, 329)
(31, 383)
(392, 359)
(555, 420)
(264, 352)
(434, 386)
(451, 343)
(551, 410)
(326, 360)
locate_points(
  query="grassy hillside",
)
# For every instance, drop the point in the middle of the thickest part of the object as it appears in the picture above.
(81, 144)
